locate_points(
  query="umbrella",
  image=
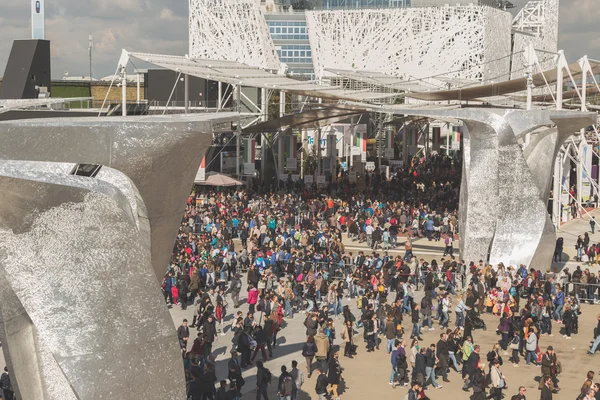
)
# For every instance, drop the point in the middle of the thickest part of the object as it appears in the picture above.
(220, 180)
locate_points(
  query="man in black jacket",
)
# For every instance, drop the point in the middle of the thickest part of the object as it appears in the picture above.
(419, 373)
(322, 384)
(546, 390)
(209, 330)
(416, 331)
(183, 333)
(261, 342)
(470, 366)
(430, 363)
(235, 371)
(263, 377)
(443, 355)
(236, 287)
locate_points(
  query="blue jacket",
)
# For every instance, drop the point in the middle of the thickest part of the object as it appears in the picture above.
(394, 357)
(560, 299)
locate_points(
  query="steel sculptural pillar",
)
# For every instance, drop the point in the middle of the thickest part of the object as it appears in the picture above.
(81, 312)
(505, 185)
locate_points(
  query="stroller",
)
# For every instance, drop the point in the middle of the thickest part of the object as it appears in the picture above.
(476, 320)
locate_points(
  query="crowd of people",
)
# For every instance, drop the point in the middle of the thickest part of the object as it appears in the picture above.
(284, 252)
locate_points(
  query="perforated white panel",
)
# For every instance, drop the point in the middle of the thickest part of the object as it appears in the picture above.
(231, 30)
(419, 42)
(539, 19)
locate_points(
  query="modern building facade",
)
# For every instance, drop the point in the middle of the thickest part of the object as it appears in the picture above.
(311, 36)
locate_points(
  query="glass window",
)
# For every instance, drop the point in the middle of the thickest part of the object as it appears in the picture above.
(296, 30)
(277, 30)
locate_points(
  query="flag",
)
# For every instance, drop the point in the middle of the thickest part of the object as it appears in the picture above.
(249, 151)
(456, 133)
(437, 134)
(291, 146)
(361, 141)
(390, 137)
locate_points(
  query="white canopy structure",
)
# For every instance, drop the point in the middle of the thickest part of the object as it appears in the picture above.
(236, 73)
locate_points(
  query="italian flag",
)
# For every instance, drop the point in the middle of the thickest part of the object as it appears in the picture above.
(456, 133)
(249, 151)
(361, 141)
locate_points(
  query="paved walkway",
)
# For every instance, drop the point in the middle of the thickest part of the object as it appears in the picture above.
(367, 375)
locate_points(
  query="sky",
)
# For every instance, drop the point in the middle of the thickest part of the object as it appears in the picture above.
(158, 26)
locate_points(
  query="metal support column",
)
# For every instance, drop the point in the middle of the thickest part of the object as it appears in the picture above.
(238, 98)
(124, 91)
(559, 80)
(281, 104)
(238, 133)
(379, 142)
(186, 92)
(318, 143)
(138, 88)
(302, 150)
(220, 96)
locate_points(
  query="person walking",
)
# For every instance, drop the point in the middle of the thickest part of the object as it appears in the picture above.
(347, 335)
(235, 287)
(309, 349)
(431, 361)
(479, 382)
(298, 376)
(416, 331)
(498, 380)
(596, 336)
(550, 366)
(322, 343)
(261, 343)
(443, 354)
(263, 378)
(546, 390)
(322, 384)
(334, 376)
(286, 385)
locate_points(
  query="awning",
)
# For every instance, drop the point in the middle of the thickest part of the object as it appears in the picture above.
(499, 88)
(218, 180)
(235, 73)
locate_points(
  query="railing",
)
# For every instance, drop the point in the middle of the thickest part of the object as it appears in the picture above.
(586, 292)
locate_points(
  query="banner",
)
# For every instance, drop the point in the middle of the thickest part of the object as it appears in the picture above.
(249, 156)
(201, 175)
(361, 141)
(456, 132)
(308, 179)
(390, 144)
(291, 151)
(436, 138)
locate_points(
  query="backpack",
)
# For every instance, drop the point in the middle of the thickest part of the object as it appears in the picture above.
(267, 376)
(359, 302)
(287, 386)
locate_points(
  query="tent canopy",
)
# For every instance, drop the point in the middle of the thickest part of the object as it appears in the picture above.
(217, 179)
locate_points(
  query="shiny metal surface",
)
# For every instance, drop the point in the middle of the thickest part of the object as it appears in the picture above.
(81, 314)
(505, 187)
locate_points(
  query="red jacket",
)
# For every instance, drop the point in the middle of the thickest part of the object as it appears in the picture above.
(253, 296)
